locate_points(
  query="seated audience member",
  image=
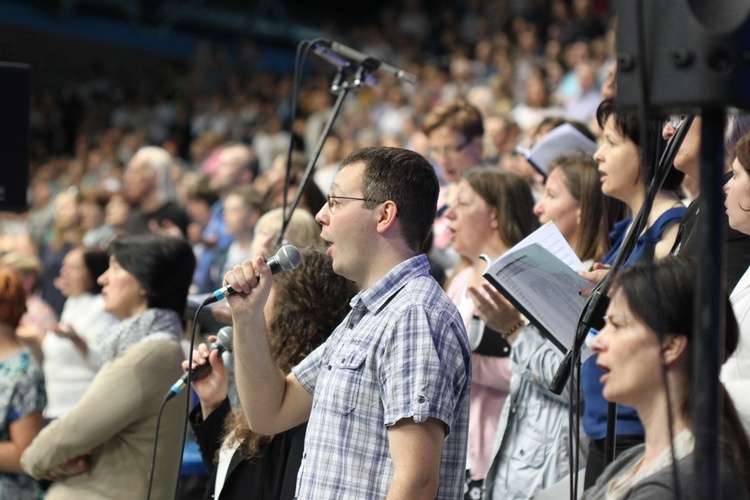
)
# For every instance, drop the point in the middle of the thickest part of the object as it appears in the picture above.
(21, 393)
(454, 130)
(103, 446)
(493, 211)
(39, 316)
(645, 353)
(302, 230)
(116, 213)
(66, 233)
(92, 206)
(148, 186)
(273, 185)
(736, 371)
(70, 351)
(306, 305)
(236, 165)
(242, 208)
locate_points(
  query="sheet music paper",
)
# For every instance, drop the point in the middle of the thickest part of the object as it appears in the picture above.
(539, 276)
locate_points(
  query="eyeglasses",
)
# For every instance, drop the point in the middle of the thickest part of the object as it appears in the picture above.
(332, 205)
(448, 150)
(676, 120)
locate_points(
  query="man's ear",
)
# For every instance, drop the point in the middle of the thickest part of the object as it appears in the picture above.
(673, 347)
(386, 216)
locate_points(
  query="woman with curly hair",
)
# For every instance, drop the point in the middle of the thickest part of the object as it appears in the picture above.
(304, 307)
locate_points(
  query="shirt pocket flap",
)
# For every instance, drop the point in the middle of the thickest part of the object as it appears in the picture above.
(351, 360)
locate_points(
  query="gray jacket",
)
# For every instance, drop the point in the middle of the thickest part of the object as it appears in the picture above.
(661, 485)
(531, 446)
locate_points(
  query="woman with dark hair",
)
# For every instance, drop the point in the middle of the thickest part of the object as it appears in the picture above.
(492, 211)
(645, 353)
(21, 393)
(304, 307)
(736, 371)
(110, 433)
(620, 159)
(70, 354)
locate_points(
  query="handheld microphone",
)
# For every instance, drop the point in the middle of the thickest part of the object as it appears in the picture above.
(286, 259)
(222, 343)
(372, 63)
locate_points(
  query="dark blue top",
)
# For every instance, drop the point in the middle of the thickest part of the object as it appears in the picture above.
(595, 410)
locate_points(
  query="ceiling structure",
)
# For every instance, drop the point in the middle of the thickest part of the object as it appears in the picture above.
(277, 20)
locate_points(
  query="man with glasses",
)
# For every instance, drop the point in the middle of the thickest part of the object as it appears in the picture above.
(387, 396)
(688, 161)
(454, 131)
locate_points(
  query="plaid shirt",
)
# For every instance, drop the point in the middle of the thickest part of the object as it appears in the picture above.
(402, 352)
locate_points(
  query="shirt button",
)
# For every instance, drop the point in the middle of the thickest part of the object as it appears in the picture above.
(351, 325)
(329, 367)
(421, 399)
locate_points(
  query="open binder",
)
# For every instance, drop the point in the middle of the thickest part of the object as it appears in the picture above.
(539, 276)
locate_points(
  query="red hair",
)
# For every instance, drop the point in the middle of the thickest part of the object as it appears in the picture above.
(12, 298)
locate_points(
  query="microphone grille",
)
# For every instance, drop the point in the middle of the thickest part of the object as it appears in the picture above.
(224, 337)
(288, 257)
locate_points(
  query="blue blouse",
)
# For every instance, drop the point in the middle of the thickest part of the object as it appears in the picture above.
(595, 410)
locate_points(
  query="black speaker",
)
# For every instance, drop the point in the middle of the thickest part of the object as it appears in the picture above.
(15, 100)
(695, 54)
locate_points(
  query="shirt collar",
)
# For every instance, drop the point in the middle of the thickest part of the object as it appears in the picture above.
(378, 295)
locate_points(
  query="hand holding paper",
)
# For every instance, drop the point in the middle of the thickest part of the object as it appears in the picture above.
(494, 309)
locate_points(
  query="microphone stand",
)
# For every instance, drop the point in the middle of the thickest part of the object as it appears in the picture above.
(710, 313)
(341, 87)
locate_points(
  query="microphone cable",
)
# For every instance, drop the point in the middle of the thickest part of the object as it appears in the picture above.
(185, 420)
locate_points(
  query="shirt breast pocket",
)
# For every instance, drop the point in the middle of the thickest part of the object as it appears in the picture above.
(345, 378)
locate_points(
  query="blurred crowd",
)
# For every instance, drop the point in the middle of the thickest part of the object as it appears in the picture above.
(517, 63)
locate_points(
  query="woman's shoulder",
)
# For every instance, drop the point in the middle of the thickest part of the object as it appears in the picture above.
(662, 483)
(670, 216)
(22, 362)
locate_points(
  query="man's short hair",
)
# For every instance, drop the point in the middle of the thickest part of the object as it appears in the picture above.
(407, 179)
(459, 116)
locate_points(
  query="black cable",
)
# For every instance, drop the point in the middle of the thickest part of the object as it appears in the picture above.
(187, 406)
(156, 444)
(187, 411)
